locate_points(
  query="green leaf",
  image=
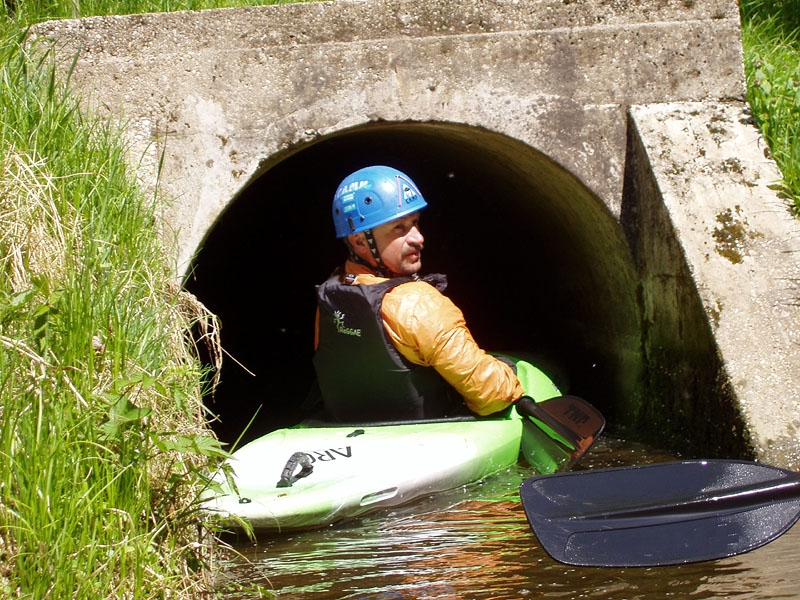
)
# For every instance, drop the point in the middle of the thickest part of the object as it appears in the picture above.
(123, 415)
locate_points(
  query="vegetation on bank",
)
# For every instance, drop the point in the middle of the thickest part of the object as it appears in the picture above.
(104, 443)
(771, 43)
(103, 438)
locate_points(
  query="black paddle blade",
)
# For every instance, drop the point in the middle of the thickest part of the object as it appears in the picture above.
(660, 514)
(558, 431)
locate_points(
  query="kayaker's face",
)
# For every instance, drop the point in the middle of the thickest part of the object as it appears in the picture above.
(399, 244)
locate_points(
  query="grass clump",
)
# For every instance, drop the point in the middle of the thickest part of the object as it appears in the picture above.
(104, 444)
(771, 43)
(33, 11)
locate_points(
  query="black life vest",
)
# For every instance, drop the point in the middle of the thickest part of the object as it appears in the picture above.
(361, 375)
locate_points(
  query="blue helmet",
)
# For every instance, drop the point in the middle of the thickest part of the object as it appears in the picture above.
(372, 196)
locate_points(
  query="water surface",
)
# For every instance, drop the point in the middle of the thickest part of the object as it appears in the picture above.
(475, 543)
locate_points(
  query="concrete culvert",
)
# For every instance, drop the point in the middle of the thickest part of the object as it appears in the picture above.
(600, 196)
(536, 262)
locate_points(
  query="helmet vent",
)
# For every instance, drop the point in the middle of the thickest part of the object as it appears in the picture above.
(368, 200)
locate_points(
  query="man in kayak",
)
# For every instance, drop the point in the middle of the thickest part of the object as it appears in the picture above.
(389, 345)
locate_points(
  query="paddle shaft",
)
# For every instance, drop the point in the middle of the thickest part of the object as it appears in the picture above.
(732, 499)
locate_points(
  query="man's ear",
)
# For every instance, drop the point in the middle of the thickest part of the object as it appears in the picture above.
(360, 247)
(358, 241)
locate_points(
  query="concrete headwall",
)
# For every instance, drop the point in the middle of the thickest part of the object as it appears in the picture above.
(611, 138)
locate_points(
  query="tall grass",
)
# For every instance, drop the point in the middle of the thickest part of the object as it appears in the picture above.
(103, 438)
(771, 42)
(31, 11)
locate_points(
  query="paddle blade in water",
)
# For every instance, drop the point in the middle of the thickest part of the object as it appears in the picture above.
(661, 514)
(558, 431)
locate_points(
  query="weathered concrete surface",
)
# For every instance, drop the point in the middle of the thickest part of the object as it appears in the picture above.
(533, 98)
(740, 244)
(221, 92)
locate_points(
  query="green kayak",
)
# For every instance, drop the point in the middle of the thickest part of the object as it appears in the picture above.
(311, 475)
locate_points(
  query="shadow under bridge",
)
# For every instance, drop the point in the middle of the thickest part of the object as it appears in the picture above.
(536, 261)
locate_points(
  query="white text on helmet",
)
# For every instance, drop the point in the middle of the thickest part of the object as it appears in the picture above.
(352, 187)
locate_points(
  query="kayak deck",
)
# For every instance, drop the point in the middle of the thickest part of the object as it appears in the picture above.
(313, 474)
(357, 469)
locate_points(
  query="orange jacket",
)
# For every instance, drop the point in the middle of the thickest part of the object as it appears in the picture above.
(429, 330)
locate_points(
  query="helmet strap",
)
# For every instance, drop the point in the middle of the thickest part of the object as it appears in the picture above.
(379, 268)
(354, 256)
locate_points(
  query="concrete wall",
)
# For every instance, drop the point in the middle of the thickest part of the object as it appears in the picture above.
(717, 253)
(611, 138)
(223, 91)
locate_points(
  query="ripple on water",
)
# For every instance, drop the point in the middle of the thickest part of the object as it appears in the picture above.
(475, 543)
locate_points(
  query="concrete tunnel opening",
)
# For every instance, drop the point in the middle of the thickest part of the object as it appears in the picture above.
(534, 259)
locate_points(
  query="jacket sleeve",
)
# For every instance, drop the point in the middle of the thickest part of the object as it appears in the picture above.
(429, 330)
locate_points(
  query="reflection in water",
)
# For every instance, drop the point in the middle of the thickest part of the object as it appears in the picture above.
(475, 543)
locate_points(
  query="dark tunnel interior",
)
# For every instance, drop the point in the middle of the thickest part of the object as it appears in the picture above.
(529, 255)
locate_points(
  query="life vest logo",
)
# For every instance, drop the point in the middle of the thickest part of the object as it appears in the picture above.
(338, 321)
